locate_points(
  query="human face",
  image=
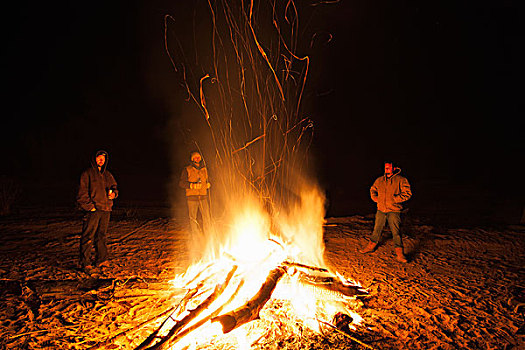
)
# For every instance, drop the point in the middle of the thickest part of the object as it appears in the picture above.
(388, 168)
(196, 158)
(100, 159)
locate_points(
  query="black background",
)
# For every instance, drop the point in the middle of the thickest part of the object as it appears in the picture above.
(432, 86)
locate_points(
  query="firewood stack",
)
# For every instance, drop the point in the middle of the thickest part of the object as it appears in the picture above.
(211, 301)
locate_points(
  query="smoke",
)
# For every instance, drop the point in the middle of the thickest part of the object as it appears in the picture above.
(243, 82)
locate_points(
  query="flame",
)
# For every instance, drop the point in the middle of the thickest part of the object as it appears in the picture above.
(253, 249)
(256, 138)
(303, 227)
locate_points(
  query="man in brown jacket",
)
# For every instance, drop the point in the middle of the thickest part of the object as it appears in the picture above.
(194, 179)
(96, 193)
(389, 191)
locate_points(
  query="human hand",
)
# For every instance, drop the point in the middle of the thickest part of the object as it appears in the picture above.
(111, 195)
(208, 185)
(94, 209)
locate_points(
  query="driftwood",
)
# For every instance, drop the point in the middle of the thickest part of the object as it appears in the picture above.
(181, 306)
(330, 283)
(199, 274)
(219, 289)
(76, 288)
(310, 275)
(308, 267)
(108, 341)
(250, 311)
(188, 330)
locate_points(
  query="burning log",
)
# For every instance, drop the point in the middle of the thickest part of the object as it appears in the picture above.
(198, 275)
(188, 330)
(295, 264)
(163, 343)
(314, 277)
(250, 311)
(311, 276)
(182, 305)
(331, 283)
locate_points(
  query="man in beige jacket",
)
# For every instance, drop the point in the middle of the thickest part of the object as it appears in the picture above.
(389, 191)
(194, 179)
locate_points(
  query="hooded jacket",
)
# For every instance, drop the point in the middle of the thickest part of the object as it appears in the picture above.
(390, 192)
(195, 174)
(95, 186)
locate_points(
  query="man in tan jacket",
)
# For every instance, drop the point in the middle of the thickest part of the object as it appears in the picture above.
(194, 179)
(389, 191)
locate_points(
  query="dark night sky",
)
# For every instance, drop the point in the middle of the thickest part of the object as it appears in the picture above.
(431, 85)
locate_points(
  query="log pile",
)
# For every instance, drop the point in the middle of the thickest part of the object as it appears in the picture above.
(203, 304)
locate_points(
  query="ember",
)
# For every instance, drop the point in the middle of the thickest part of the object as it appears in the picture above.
(262, 272)
(221, 297)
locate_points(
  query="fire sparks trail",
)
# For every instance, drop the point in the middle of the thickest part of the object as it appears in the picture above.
(263, 269)
(248, 85)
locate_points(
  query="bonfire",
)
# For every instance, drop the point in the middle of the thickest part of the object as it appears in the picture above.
(257, 289)
(263, 267)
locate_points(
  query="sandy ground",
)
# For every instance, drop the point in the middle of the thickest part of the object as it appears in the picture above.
(464, 288)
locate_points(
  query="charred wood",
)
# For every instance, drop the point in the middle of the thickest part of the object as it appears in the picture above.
(188, 330)
(219, 289)
(181, 306)
(250, 311)
(331, 283)
(308, 267)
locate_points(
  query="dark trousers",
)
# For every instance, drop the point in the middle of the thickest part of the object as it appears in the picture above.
(394, 221)
(94, 233)
(195, 206)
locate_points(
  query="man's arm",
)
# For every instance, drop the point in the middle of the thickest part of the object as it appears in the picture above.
(112, 185)
(208, 184)
(373, 191)
(83, 198)
(184, 182)
(405, 191)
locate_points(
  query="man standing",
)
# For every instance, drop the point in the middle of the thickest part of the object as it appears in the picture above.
(389, 191)
(194, 179)
(95, 196)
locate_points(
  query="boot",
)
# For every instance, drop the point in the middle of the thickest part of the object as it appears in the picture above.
(400, 256)
(370, 247)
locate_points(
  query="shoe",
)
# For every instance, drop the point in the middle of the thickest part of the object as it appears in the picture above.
(400, 256)
(370, 247)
